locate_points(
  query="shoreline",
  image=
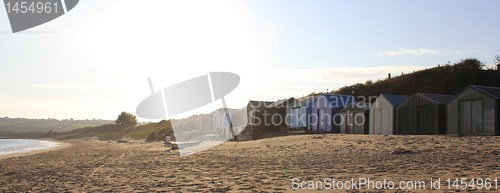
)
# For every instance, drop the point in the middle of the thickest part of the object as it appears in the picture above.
(61, 145)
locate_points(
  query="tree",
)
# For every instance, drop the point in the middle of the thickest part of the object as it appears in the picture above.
(469, 64)
(126, 119)
(497, 59)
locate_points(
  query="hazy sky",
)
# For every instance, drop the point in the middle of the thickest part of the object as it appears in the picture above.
(94, 61)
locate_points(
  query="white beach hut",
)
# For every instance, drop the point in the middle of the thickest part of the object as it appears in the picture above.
(383, 114)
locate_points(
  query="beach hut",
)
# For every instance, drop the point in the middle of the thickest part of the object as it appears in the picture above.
(278, 115)
(222, 123)
(383, 114)
(256, 112)
(237, 121)
(258, 117)
(356, 119)
(240, 125)
(474, 111)
(325, 109)
(204, 122)
(219, 119)
(423, 114)
(298, 112)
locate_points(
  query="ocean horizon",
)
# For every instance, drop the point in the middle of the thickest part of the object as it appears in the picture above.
(13, 146)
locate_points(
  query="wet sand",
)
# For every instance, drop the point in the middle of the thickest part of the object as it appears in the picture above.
(267, 165)
(61, 145)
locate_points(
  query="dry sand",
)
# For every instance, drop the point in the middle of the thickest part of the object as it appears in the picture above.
(266, 165)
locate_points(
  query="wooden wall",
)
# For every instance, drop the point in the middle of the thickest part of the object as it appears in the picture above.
(488, 106)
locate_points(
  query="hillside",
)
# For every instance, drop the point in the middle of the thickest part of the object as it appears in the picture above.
(445, 79)
(148, 132)
(111, 131)
(22, 125)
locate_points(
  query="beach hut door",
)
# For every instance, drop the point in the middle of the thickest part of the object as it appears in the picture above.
(321, 118)
(471, 122)
(477, 117)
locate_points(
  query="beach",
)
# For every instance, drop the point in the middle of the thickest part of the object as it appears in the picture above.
(268, 165)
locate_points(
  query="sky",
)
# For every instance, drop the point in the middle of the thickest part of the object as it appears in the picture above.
(94, 61)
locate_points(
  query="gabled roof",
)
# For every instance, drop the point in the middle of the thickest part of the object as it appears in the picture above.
(330, 96)
(493, 92)
(281, 103)
(222, 111)
(363, 105)
(340, 100)
(301, 102)
(437, 98)
(395, 100)
(359, 105)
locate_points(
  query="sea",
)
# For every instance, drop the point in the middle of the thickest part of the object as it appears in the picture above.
(12, 146)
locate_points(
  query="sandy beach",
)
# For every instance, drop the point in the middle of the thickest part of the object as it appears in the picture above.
(267, 165)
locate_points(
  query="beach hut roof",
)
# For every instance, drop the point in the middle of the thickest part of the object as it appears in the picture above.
(281, 103)
(359, 105)
(223, 110)
(303, 101)
(259, 104)
(335, 95)
(437, 98)
(344, 99)
(395, 100)
(363, 105)
(493, 92)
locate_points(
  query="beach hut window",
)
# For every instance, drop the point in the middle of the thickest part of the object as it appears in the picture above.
(298, 117)
(302, 117)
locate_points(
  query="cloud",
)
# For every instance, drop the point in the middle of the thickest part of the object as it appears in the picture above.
(403, 51)
(10, 97)
(68, 86)
(268, 85)
(347, 75)
(297, 82)
(81, 88)
(422, 52)
(458, 52)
